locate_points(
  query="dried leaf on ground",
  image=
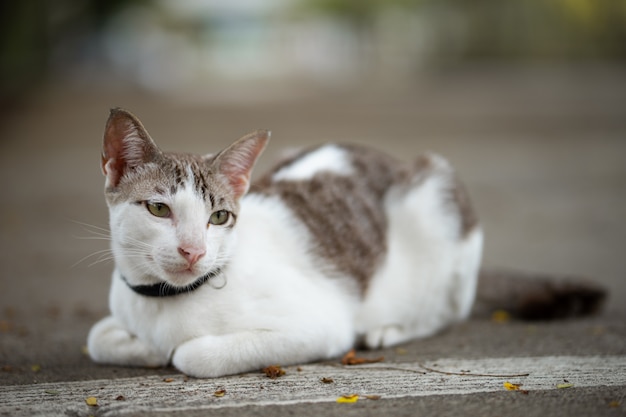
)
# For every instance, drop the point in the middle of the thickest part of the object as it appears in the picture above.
(273, 371)
(219, 393)
(168, 380)
(347, 399)
(564, 385)
(511, 387)
(350, 358)
(515, 387)
(91, 401)
(500, 316)
(327, 380)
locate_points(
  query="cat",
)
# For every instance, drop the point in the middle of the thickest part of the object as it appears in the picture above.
(337, 245)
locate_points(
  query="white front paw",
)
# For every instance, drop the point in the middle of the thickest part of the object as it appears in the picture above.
(201, 358)
(109, 342)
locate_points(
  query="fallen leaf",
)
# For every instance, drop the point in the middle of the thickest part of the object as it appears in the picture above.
(84, 350)
(511, 387)
(219, 393)
(373, 397)
(564, 385)
(91, 401)
(5, 326)
(614, 404)
(273, 371)
(347, 399)
(51, 392)
(500, 316)
(120, 398)
(35, 368)
(168, 380)
(327, 380)
(401, 351)
(350, 358)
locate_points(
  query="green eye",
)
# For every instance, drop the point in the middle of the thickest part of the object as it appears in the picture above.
(158, 209)
(219, 217)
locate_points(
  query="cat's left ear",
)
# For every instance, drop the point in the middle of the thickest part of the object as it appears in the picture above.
(236, 161)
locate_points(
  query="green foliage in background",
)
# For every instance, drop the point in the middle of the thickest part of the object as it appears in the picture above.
(504, 29)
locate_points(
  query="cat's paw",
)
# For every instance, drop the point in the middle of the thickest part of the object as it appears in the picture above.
(206, 357)
(109, 342)
(193, 358)
(385, 336)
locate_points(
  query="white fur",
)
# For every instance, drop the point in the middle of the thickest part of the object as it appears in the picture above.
(429, 274)
(329, 158)
(278, 306)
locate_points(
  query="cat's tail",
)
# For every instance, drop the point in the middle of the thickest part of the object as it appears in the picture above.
(530, 296)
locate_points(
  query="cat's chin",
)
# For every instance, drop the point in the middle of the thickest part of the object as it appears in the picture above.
(182, 278)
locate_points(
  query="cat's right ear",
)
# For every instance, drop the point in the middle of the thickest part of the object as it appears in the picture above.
(126, 145)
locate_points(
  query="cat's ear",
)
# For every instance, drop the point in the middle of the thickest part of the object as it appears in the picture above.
(236, 161)
(126, 145)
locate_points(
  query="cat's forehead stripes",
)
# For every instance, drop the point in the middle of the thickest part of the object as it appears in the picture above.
(171, 174)
(189, 171)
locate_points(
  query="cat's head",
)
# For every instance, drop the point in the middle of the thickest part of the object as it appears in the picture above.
(172, 215)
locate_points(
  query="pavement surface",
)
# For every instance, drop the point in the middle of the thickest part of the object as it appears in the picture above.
(543, 153)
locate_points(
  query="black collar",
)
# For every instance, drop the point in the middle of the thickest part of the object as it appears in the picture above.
(164, 289)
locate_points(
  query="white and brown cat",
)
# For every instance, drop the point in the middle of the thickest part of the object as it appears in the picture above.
(336, 245)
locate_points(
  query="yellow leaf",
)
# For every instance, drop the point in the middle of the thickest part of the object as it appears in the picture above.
(346, 399)
(500, 316)
(564, 385)
(168, 380)
(91, 401)
(511, 387)
(35, 368)
(219, 393)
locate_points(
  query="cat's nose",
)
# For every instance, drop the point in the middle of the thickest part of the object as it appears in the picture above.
(192, 255)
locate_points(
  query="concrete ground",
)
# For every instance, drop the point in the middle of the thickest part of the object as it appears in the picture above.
(543, 153)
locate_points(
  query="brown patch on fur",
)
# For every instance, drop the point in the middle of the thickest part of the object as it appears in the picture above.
(460, 198)
(456, 193)
(344, 214)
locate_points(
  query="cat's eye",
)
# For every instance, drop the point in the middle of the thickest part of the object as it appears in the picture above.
(158, 209)
(219, 217)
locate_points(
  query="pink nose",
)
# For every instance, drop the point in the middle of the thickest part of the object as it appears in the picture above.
(192, 255)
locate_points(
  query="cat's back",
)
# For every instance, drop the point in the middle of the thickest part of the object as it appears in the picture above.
(338, 192)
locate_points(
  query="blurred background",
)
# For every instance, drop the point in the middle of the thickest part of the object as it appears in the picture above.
(196, 46)
(526, 98)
